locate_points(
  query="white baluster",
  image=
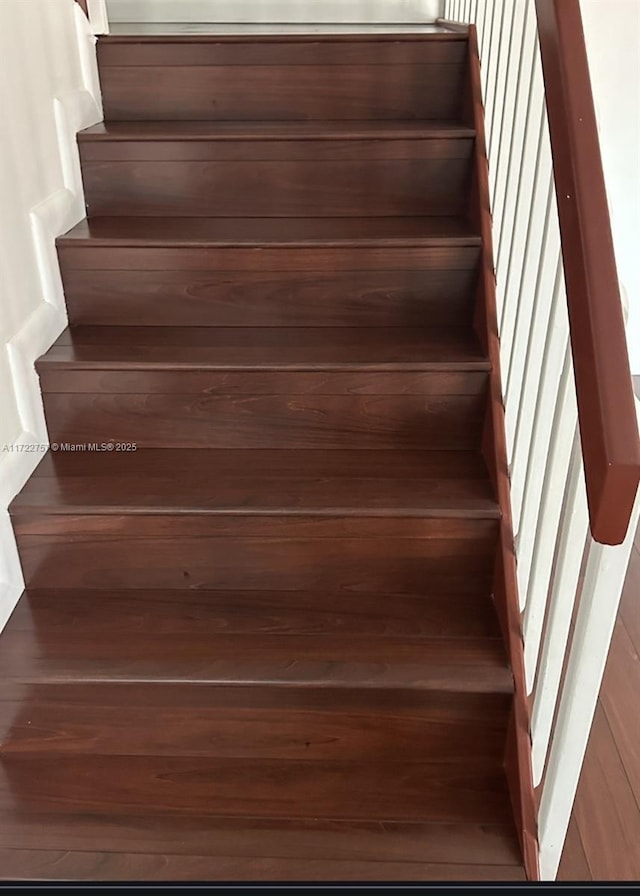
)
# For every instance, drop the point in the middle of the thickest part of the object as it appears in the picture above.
(493, 57)
(511, 264)
(533, 330)
(573, 530)
(485, 50)
(502, 62)
(537, 450)
(509, 153)
(481, 13)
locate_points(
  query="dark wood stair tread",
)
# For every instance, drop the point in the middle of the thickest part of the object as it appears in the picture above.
(493, 845)
(261, 348)
(446, 664)
(155, 231)
(64, 864)
(272, 130)
(254, 482)
(255, 721)
(357, 790)
(296, 658)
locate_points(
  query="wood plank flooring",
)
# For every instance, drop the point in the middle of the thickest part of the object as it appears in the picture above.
(603, 841)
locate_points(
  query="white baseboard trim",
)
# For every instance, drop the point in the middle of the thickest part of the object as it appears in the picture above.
(98, 18)
(9, 596)
(54, 215)
(86, 31)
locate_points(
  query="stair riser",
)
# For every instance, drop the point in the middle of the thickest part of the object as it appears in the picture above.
(203, 383)
(288, 93)
(363, 616)
(365, 186)
(149, 553)
(254, 723)
(236, 52)
(156, 420)
(321, 80)
(146, 254)
(239, 298)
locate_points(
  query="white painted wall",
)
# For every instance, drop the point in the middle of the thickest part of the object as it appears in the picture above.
(282, 11)
(612, 36)
(48, 91)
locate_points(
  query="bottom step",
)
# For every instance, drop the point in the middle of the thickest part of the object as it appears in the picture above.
(40, 846)
(21, 864)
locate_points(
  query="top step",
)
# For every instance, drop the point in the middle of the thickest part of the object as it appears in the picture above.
(283, 77)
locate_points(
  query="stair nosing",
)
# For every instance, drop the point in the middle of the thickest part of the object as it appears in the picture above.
(284, 37)
(503, 683)
(287, 134)
(481, 364)
(347, 242)
(491, 512)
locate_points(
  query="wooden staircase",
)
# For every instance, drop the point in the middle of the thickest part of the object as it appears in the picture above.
(262, 637)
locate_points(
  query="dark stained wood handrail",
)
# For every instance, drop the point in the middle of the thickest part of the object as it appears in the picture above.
(83, 6)
(606, 408)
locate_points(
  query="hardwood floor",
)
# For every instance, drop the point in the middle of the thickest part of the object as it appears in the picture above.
(603, 841)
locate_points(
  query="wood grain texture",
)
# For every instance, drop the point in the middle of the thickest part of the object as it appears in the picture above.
(368, 841)
(192, 170)
(286, 233)
(99, 257)
(574, 865)
(49, 866)
(610, 751)
(207, 561)
(312, 298)
(171, 380)
(426, 615)
(630, 600)
(339, 415)
(306, 660)
(262, 641)
(264, 361)
(268, 348)
(315, 49)
(259, 662)
(271, 421)
(605, 810)
(254, 728)
(282, 93)
(620, 697)
(209, 140)
(150, 522)
(286, 188)
(421, 484)
(398, 791)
